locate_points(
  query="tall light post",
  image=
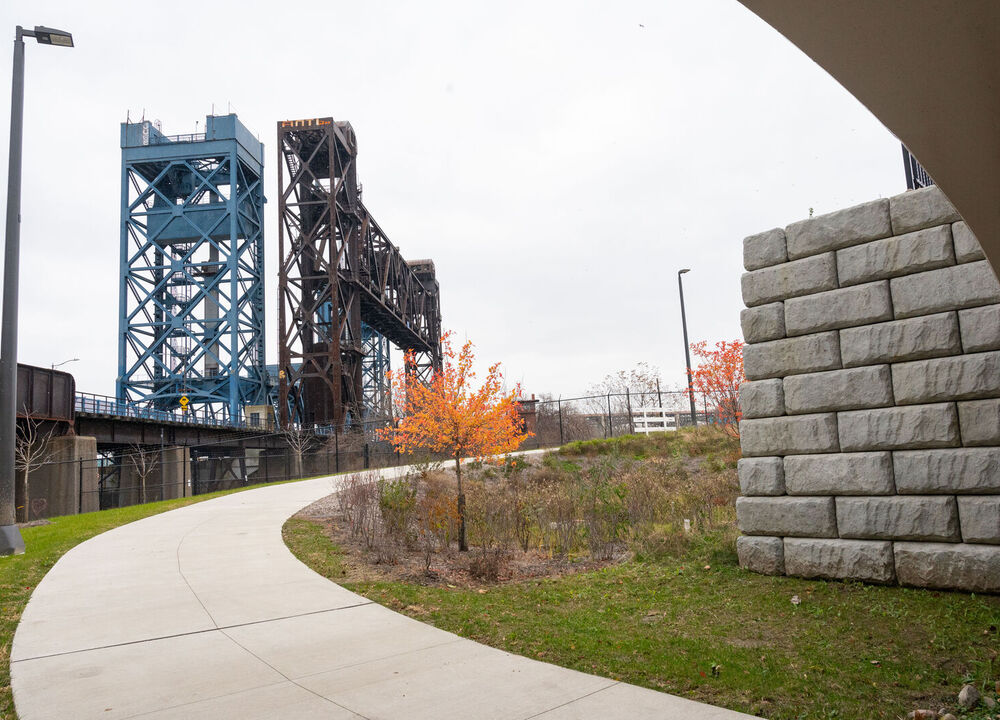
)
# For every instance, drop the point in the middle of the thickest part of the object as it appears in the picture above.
(687, 348)
(10, 536)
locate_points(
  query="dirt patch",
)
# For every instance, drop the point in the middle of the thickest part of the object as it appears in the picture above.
(34, 523)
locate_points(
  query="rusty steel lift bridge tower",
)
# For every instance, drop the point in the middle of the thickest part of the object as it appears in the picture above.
(191, 305)
(344, 290)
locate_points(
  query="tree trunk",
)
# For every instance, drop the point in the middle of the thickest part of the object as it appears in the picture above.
(27, 501)
(463, 545)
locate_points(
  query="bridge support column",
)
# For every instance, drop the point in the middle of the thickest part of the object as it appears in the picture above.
(67, 483)
(175, 473)
(167, 471)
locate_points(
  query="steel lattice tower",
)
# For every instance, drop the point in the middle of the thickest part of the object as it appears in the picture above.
(374, 367)
(191, 299)
(338, 269)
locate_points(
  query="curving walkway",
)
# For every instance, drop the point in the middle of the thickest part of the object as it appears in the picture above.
(202, 612)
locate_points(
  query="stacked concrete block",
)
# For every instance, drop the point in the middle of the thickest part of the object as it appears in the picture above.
(871, 415)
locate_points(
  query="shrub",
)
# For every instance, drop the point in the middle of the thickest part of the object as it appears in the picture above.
(490, 514)
(605, 510)
(436, 519)
(397, 498)
(358, 505)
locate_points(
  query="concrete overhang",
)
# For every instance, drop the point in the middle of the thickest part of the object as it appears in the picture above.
(930, 71)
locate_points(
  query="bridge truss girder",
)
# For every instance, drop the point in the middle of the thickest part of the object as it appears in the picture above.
(338, 269)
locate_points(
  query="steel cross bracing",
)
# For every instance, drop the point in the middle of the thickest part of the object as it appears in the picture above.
(338, 269)
(191, 320)
(375, 366)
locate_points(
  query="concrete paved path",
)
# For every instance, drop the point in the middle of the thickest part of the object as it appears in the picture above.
(203, 612)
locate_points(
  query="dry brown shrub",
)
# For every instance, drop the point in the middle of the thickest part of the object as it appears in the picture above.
(358, 502)
(490, 516)
(436, 517)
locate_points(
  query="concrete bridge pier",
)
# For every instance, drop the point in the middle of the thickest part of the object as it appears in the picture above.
(67, 483)
(167, 474)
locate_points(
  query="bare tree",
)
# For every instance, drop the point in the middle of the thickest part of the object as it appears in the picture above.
(621, 392)
(143, 461)
(31, 451)
(299, 440)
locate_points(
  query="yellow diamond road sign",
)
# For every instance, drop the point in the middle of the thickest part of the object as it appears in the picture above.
(184, 400)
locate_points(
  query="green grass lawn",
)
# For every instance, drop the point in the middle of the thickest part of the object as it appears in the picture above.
(45, 544)
(722, 635)
(694, 624)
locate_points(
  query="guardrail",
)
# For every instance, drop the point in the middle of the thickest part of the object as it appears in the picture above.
(105, 405)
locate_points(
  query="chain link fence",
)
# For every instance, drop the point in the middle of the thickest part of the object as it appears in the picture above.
(591, 417)
(131, 475)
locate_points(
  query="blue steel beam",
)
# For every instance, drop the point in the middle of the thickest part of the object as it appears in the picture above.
(191, 303)
(375, 367)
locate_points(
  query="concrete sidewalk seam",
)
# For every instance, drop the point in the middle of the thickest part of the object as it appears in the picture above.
(610, 685)
(177, 555)
(146, 713)
(193, 632)
(349, 666)
(291, 680)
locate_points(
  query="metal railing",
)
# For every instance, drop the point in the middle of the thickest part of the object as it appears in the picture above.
(166, 139)
(105, 405)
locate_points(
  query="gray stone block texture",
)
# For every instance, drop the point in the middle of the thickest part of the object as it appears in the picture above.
(914, 339)
(843, 228)
(764, 555)
(848, 307)
(980, 517)
(980, 422)
(868, 560)
(761, 476)
(967, 247)
(762, 398)
(764, 249)
(962, 470)
(864, 387)
(980, 328)
(803, 434)
(912, 517)
(802, 277)
(950, 288)
(839, 474)
(763, 323)
(918, 209)
(871, 419)
(899, 428)
(962, 377)
(901, 255)
(948, 566)
(792, 356)
(787, 516)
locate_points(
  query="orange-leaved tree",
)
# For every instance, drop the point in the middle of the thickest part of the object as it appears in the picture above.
(718, 378)
(452, 415)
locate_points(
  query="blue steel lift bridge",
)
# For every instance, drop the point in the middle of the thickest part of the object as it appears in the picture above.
(191, 305)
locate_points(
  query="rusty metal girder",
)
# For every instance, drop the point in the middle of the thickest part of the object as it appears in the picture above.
(338, 268)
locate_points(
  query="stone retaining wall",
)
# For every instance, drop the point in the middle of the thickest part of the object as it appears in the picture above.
(871, 415)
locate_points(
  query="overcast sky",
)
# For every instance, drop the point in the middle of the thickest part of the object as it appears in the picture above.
(559, 161)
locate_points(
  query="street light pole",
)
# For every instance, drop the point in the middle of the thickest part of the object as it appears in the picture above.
(64, 362)
(10, 537)
(687, 348)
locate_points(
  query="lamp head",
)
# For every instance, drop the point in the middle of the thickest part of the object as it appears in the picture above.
(681, 272)
(51, 36)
